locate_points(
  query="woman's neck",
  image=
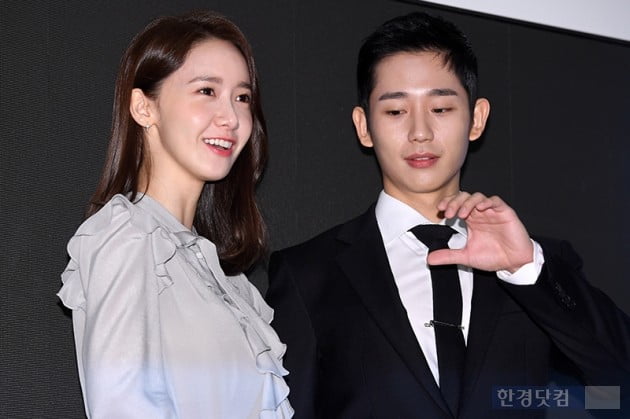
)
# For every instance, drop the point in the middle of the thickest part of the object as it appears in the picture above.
(181, 203)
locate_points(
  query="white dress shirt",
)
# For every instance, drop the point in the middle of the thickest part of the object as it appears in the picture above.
(407, 258)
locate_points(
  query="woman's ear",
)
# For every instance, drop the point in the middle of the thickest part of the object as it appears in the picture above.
(479, 118)
(141, 108)
(361, 126)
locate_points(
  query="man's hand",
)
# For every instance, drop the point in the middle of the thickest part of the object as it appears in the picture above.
(497, 240)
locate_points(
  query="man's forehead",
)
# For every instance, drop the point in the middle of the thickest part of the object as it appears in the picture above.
(408, 71)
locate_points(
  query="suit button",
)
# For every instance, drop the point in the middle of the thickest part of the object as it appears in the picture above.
(564, 298)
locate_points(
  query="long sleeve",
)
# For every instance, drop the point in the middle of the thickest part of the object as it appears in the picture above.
(582, 321)
(116, 320)
(293, 325)
(160, 331)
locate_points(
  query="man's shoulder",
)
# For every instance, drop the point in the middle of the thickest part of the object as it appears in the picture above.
(556, 247)
(558, 251)
(329, 241)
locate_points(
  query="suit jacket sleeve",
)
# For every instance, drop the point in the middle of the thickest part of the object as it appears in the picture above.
(582, 321)
(293, 325)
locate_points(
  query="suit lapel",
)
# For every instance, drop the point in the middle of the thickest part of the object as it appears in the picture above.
(366, 265)
(486, 306)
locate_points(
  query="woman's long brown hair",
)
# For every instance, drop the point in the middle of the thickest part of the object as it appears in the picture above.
(227, 213)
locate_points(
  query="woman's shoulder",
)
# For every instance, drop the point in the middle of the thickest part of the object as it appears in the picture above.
(119, 223)
(118, 217)
(116, 238)
(107, 220)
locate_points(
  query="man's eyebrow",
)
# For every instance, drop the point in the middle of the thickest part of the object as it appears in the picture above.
(392, 95)
(432, 92)
(442, 92)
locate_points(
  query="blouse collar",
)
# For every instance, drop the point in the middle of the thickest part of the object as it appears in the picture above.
(183, 235)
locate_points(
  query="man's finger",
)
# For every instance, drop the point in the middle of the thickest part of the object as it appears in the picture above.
(454, 204)
(470, 204)
(447, 257)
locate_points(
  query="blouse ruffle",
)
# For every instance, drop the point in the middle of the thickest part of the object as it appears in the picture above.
(251, 311)
(71, 293)
(117, 212)
(242, 297)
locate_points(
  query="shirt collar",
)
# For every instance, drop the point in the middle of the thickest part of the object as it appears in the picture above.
(167, 220)
(395, 218)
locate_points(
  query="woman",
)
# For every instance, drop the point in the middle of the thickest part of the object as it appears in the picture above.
(166, 325)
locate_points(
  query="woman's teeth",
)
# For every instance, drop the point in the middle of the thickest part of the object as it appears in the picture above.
(219, 143)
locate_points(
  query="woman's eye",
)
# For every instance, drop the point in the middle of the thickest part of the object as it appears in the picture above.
(208, 91)
(245, 98)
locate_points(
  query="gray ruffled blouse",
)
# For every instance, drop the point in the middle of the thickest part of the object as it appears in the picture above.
(160, 330)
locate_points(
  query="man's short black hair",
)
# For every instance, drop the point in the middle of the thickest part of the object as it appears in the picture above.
(417, 32)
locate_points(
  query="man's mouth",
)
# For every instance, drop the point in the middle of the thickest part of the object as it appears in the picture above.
(421, 160)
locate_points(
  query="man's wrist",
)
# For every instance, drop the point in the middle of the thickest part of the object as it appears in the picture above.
(528, 273)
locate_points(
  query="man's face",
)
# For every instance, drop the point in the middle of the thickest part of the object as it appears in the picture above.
(419, 125)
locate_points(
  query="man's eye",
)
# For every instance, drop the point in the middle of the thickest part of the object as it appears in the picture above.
(441, 110)
(394, 112)
(208, 91)
(245, 98)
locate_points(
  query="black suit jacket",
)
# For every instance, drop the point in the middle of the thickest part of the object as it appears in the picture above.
(352, 352)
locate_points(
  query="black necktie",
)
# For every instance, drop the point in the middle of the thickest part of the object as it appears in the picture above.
(447, 314)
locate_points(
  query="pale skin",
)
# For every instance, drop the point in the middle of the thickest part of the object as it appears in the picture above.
(497, 239)
(206, 99)
(420, 126)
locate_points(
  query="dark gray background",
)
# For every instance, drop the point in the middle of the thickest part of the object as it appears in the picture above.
(554, 149)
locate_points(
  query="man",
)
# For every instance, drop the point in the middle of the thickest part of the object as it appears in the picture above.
(374, 328)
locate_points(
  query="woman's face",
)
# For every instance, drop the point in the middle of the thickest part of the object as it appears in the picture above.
(202, 117)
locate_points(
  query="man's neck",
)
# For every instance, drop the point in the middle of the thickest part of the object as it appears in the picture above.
(425, 203)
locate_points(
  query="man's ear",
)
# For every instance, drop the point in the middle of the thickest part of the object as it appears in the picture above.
(479, 118)
(361, 126)
(141, 109)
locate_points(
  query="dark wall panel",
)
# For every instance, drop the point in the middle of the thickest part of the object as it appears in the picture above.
(554, 147)
(570, 122)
